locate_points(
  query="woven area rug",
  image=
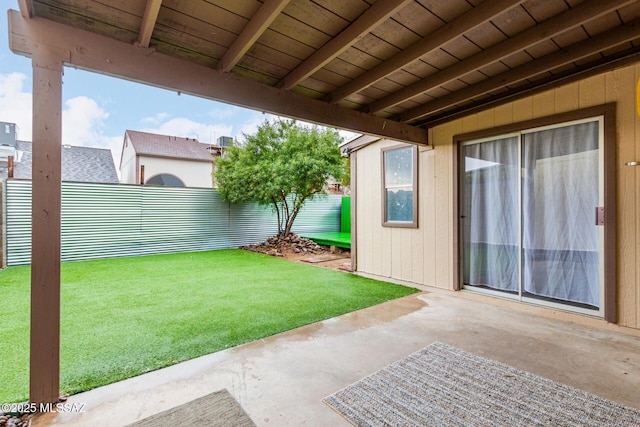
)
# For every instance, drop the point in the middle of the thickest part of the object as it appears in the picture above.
(442, 385)
(217, 409)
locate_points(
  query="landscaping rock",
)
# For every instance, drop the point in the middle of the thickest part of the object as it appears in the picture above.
(23, 420)
(278, 245)
(296, 248)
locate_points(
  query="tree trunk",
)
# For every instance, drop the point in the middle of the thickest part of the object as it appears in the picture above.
(277, 209)
(294, 214)
(285, 214)
(290, 221)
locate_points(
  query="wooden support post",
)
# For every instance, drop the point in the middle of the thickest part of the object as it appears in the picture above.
(45, 235)
(10, 167)
(354, 212)
(3, 223)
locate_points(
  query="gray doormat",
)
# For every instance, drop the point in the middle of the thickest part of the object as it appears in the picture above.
(217, 409)
(442, 385)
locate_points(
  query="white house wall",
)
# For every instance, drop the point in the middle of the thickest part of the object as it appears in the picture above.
(192, 173)
(128, 173)
(425, 256)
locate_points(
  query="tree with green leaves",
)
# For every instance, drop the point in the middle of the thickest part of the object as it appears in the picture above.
(283, 165)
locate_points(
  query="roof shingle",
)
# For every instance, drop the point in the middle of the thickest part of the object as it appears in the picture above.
(150, 144)
(79, 164)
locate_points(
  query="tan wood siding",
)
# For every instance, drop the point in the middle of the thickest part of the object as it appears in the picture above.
(620, 87)
(426, 256)
(428, 214)
(634, 280)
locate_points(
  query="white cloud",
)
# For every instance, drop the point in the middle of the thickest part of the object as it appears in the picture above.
(156, 119)
(16, 104)
(83, 120)
(84, 124)
(223, 113)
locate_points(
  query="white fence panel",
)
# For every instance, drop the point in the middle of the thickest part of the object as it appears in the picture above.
(115, 220)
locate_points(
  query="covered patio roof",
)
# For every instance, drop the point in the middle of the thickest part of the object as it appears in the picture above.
(390, 68)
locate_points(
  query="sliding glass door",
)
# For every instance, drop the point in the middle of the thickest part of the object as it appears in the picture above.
(528, 215)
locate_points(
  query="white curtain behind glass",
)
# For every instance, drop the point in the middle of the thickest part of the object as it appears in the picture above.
(559, 195)
(490, 214)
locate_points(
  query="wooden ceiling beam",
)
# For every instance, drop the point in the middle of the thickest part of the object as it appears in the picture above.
(149, 19)
(464, 23)
(620, 60)
(374, 16)
(94, 52)
(575, 52)
(26, 8)
(265, 15)
(572, 18)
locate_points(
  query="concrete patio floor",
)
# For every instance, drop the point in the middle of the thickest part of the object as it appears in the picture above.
(280, 380)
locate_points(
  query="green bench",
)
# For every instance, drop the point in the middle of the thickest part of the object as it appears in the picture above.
(340, 239)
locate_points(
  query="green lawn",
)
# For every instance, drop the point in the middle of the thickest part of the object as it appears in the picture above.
(125, 316)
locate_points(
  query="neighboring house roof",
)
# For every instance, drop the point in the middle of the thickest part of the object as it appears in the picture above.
(357, 143)
(173, 147)
(80, 164)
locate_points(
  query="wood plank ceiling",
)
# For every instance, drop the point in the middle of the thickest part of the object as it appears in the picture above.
(414, 62)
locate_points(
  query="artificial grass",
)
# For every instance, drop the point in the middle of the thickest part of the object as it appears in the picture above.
(121, 317)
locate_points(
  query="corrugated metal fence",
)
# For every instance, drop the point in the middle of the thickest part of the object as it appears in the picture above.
(113, 220)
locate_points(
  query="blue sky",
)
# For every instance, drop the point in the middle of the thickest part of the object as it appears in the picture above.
(98, 109)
